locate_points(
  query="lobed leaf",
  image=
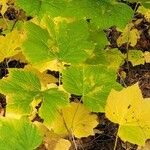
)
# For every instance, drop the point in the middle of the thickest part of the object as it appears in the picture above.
(69, 44)
(18, 134)
(75, 119)
(92, 82)
(22, 87)
(131, 112)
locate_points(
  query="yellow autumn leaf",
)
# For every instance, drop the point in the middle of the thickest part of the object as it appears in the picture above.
(4, 6)
(130, 35)
(131, 112)
(45, 78)
(147, 57)
(136, 57)
(51, 140)
(55, 142)
(10, 44)
(145, 12)
(75, 119)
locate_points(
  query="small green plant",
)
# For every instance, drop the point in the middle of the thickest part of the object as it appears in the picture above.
(67, 37)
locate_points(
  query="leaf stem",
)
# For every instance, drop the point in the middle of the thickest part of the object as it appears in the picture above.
(116, 141)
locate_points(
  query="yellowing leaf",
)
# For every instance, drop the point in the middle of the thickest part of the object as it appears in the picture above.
(76, 120)
(147, 57)
(129, 35)
(51, 140)
(145, 12)
(63, 145)
(3, 3)
(131, 112)
(45, 78)
(136, 57)
(10, 44)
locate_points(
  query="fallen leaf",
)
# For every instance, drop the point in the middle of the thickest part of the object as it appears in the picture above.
(75, 119)
(131, 112)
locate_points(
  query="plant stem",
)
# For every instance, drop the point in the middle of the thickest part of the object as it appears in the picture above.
(116, 141)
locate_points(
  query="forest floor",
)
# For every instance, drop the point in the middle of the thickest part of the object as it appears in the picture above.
(106, 131)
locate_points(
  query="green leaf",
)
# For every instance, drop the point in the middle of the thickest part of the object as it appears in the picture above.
(36, 47)
(53, 99)
(112, 58)
(38, 7)
(103, 13)
(69, 44)
(98, 37)
(18, 135)
(21, 88)
(93, 83)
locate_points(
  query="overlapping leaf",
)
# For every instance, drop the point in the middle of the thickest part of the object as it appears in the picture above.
(93, 83)
(69, 44)
(22, 87)
(136, 57)
(10, 44)
(145, 3)
(100, 11)
(131, 112)
(129, 35)
(76, 120)
(53, 100)
(52, 7)
(97, 11)
(18, 134)
(51, 140)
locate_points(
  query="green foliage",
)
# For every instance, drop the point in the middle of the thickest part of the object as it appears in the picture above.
(68, 36)
(95, 10)
(38, 7)
(23, 87)
(93, 83)
(18, 134)
(67, 43)
(53, 99)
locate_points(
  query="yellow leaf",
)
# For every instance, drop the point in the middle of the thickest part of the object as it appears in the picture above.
(136, 57)
(3, 3)
(52, 141)
(145, 12)
(45, 78)
(75, 119)
(10, 44)
(63, 144)
(129, 35)
(147, 57)
(131, 112)
(19, 57)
